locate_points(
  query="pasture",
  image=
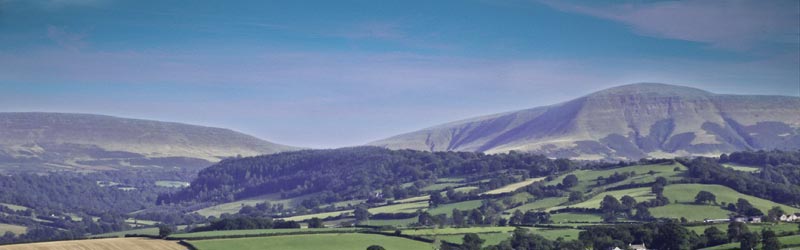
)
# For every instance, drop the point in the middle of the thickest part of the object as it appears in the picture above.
(348, 241)
(540, 204)
(100, 244)
(260, 232)
(16, 229)
(741, 167)
(587, 178)
(172, 184)
(685, 193)
(513, 186)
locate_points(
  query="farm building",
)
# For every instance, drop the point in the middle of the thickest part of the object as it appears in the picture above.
(789, 217)
(637, 247)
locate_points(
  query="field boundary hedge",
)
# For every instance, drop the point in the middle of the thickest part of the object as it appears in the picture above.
(234, 236)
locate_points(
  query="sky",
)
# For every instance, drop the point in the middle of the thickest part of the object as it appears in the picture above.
(326, 74)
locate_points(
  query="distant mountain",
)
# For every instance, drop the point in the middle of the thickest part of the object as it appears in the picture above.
(625, 122)
(85, 142)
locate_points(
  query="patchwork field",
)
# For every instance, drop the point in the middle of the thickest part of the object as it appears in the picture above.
(349, 241)
(685, 193)
(588, 178)
(793, 241)
(172, 184)
(741, 167)
(260, 232)
(16, 229)
(514, 186)
(100, 244)
(541, 204)
(14, 207)
(233, 207)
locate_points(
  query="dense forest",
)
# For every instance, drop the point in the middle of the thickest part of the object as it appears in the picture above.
(350, 173)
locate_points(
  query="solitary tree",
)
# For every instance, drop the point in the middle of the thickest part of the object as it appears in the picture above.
(703, 197)
(748, 241)
(770, 240)
(570, 181)
(472, 242)
(165, 230)
(361, 213)
(315, 223)
(375, 247)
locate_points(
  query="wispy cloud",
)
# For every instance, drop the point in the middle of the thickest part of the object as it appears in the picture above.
(68, 40)
(727, 24)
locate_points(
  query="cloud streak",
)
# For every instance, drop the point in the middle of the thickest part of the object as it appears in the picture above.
(726, 24)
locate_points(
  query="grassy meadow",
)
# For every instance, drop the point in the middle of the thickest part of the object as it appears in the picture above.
(349, 241)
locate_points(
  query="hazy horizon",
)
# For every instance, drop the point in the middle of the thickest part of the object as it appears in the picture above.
(348, 73)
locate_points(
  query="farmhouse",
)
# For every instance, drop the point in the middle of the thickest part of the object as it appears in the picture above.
(789, 217)
(637, 247)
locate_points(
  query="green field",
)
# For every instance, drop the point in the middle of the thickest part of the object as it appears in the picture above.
(492, 235)
(489, 238)
(448, 208)
(777, 228)
(641, 194)
(395, 222)
(587, 178)
(575, 217)
(440, 186)
(456, 230)
(553, 234)
(793, 240)
(16, 229)
(514, 186)
(689, 211)
(685, 193)
(541, 204)
(14, 207)
(233, 207)
(742, 168)
(172, 184)
(255, 232)
(141, 231)
(400, 208)
(141, 222)
(350, 241)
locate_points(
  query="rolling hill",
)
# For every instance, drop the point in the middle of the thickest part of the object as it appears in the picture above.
(85, 142)
(625, 122)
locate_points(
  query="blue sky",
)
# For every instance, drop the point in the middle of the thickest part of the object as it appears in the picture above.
(340, 73)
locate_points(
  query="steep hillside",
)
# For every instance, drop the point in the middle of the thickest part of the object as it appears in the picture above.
(626, 122)
(35, 141)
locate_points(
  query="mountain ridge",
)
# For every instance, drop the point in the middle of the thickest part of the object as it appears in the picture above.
(92, 141)
(616, 123)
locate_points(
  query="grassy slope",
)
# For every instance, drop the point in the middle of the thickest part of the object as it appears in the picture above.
(541, 204)
(16, 229)
(587, 178)
(684, 194)
(260, 232)
(514, 186)
(793, 240)
(313, 241)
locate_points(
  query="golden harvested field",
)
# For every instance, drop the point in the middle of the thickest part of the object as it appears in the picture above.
(100, 244)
